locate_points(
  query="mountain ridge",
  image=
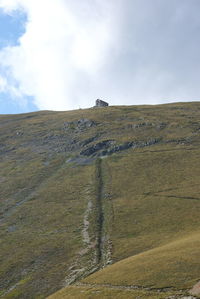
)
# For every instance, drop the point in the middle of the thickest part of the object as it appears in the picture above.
(84, 189)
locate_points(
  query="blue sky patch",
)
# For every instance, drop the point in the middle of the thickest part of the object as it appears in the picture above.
(9, 106)
(11, 28)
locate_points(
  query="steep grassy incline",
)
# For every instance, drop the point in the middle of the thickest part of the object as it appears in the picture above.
(84, 189)
(172, 266)
(41, 231)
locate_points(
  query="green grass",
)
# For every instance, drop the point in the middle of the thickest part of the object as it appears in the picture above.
(155, 197)
(42, 235)
(175, 265)
(150, 201)
(99, 292)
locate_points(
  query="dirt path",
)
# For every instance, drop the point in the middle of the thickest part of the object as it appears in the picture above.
(96, 251)
(86, 223)
(177, 294)
(82, 265)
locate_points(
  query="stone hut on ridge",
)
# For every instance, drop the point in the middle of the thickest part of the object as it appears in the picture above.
(100, 103)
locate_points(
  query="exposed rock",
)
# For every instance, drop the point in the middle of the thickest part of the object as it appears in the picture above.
(85, 123)
(97, 147)
(132, 144)
(143, 124)
(80, 124)
(19, 133)
(186, 140)
(12, 228)
(87, 141)
(107, 147)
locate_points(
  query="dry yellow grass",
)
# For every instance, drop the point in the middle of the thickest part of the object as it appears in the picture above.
(150, 199)
(174, 265)
(101, 292)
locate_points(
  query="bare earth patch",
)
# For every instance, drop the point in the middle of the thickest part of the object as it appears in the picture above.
(196, 289)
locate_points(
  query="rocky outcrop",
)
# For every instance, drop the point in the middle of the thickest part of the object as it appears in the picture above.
(108, 147)
(80, 124)
(92, 150)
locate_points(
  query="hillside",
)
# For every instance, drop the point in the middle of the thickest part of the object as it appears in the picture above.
(104, 199)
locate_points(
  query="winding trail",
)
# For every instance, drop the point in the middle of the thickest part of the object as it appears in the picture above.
(178, 294)
(123, 287)
(86, 224)
(97, 247)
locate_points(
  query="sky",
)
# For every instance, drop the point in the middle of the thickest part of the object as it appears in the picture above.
(64, 54)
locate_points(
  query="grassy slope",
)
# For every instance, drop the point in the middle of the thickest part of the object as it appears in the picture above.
(42, 207)
(40, 238)
(99, 292)
(155, 198)
(175, 265)
(151, 214)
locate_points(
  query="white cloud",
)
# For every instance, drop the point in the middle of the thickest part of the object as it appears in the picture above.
(13, 91)
(65, 44)
(9, 88)
(3, 84)
(126, 51)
